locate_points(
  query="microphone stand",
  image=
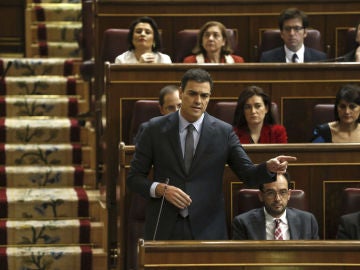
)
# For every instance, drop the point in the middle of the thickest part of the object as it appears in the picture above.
(161, 207)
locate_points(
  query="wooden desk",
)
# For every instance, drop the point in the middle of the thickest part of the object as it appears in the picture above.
(249, 255)
(321, 170)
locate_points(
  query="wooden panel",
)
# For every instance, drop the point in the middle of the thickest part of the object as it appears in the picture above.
(250, 17)
(12, 32)
(249, 255)
(245, 15)
(295, 88)
(321, 170)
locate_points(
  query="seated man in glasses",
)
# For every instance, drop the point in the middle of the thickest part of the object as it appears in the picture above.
(275, 221)
(293, 24)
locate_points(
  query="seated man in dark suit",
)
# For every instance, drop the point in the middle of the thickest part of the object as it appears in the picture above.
(293, 24)
(349, 227)
(275, 221)
(169, 101)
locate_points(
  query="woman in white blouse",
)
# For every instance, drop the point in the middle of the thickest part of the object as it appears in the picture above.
(144, 44)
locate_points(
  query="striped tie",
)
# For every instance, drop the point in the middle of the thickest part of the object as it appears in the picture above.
(278, 233)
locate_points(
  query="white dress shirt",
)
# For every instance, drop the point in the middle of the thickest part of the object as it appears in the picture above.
(270, 226)
(300, 54)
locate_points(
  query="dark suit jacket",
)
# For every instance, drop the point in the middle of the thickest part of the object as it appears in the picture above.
(139, 132)
(159, 146)
(251, 225)
(350, 56)
(277, 55)
(349, 227)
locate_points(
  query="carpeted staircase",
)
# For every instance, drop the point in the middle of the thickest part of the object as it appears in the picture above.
(51, 212)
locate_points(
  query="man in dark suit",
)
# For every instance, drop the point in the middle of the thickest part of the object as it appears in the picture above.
(349, 227)
(260, 223)
(193, 205)
(293, 24)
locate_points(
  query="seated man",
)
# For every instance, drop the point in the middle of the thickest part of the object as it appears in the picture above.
(349, 227)
(169, 101)
(293, 24)
(275, 221)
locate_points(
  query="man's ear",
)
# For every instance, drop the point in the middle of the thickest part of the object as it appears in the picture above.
(161, 110)
(260, 196)
(305, 33)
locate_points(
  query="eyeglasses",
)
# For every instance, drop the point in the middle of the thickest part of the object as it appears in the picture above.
(296, 29)
(272, 194)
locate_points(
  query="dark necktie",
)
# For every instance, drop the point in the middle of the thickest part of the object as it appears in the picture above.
(189, 147)
(278, 233)
(188, 157)
(295, 58)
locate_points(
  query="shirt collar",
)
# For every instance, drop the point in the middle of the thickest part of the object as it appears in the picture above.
(289, 54)
(270, 219)
(183, 123)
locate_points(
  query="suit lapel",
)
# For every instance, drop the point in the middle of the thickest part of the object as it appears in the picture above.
(282, 55)
(258, 224)
(172, 133)
(294, 225)
(307, 56)
(206, 136)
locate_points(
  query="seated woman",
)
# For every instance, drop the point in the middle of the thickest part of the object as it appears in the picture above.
(253, 119)
(346, 126)
(213, 46)
(354, 55)
(144, 44)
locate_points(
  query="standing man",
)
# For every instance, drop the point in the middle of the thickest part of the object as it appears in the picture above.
(193, 205)
(293, 24)
(260, 223)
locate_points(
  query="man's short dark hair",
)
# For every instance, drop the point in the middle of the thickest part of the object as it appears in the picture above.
(292, 13)
(168, 89)
(198, 75)
(287, 177)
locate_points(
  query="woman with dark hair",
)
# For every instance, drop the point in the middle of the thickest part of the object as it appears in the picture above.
(346, 127)
(253, 120)
(144, 44)
(213, 46)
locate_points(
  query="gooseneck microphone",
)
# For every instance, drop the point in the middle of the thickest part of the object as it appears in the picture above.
(336, 59)
(161, 207)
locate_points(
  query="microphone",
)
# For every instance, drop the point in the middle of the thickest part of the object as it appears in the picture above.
(161, 207)
(9, 64)
(336, 59)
